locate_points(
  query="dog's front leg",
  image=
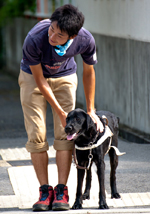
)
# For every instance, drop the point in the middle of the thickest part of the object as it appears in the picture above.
(78, 201)
(86, 194)
(101, 177)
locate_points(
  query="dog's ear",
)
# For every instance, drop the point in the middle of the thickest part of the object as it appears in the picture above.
(89, 122)
(91, 129)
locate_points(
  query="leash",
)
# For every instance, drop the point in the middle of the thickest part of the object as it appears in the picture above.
(91, 146)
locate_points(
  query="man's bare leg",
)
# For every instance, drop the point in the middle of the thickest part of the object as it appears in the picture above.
(40, 163)
(63, 161)
(61, 198)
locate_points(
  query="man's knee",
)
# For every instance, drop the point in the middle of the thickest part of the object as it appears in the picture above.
(63, 145)
(36, 146)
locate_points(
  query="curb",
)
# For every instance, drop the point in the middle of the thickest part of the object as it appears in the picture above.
(87, 211)
(133, 135)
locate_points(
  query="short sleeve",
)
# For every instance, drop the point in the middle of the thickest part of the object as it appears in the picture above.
(31, 54)
(89, 55)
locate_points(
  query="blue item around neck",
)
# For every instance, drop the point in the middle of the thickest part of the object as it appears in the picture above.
(62, 48)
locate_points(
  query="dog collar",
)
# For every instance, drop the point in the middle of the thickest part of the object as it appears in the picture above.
(107, 134)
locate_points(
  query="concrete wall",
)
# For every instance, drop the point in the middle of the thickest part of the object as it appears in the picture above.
(15, 34)
(119, 18)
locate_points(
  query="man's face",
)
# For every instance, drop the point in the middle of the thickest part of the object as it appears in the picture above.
(56, 36)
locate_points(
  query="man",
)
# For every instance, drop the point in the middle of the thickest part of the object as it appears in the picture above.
(48, 72)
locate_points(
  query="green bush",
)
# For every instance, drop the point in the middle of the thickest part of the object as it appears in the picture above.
(14, 8)
(8, 10)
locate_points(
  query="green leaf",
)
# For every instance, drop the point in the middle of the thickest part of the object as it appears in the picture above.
(15, 8)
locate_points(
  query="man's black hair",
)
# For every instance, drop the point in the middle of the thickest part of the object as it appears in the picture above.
(69, 19)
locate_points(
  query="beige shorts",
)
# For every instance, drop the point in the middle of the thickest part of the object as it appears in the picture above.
(34, 107)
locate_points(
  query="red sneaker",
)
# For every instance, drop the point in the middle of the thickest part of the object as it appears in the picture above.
(61, 198)
(45, 200)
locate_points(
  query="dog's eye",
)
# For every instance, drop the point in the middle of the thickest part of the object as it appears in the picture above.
(78, 120)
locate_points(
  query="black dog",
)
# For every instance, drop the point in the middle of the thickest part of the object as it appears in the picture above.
(81, 128)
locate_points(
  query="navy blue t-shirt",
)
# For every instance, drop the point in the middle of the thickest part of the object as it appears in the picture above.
(36, 49)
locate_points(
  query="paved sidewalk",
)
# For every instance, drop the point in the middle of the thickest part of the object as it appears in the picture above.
(25, 185)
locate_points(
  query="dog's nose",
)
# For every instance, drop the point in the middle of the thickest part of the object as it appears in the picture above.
(68, 129)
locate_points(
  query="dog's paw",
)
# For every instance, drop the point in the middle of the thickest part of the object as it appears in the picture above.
(85, 196)
(103, 206)
(115, 195)
(77, 206)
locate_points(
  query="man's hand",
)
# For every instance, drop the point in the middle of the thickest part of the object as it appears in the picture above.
(63, 117)
(96, 120)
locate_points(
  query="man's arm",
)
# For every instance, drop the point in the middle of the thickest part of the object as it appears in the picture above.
(89, 90)
(47, 92)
